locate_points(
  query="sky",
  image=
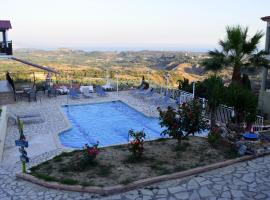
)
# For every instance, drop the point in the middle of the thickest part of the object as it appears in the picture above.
(192, 25)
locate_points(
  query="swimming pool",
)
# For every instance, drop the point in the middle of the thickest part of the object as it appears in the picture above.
(107, 123)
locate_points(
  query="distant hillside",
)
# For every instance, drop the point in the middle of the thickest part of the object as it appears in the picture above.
(91, 67)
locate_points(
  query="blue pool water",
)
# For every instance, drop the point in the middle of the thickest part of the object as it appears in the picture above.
(107, 123)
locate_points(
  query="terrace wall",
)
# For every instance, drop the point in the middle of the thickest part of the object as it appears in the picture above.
(3, 130)
(6, 93)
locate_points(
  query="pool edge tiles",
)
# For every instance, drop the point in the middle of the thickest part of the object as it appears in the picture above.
(122, 118)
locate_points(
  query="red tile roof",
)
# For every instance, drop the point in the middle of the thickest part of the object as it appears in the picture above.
(5, 24)
(267, 18)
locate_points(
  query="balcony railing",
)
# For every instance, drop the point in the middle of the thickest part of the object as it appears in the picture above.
(6, 48)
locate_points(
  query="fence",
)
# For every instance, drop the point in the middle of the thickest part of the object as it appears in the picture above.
(223, 113)
(258, 124)
(184, 97)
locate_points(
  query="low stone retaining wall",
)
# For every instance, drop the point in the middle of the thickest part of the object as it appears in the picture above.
(137, 184)
(6, 98)
(6, 93)
(3, 130)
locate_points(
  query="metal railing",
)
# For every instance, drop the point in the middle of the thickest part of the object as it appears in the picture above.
(258, 124)
(223, 113)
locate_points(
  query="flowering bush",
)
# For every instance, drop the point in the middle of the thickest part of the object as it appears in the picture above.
(183, 121)
(214, 136)
(90, 153)
(136, 145)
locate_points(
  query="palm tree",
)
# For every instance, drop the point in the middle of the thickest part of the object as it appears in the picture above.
(237, 50)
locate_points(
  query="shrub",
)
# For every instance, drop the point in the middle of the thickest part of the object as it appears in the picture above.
(182, 148)
(20, 127)
(214, 94)
(90, 153)
(244, 102)
(136, 145)
(214, 136)
(69, 181)
(45, 177)
(126, 181)
(183, 121)
(104, 170)
(185, 85)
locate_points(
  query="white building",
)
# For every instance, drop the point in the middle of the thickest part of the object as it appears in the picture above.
(264, 98)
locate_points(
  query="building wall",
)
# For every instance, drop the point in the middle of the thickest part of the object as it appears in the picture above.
(3, 130)
(264, 102)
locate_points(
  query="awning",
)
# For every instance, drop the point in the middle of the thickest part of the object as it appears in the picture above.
(5, 25)
(35, 65)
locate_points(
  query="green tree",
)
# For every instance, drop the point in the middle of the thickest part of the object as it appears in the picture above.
(214, 88)
(237, 50)
(244, 102)
(183, 121)
(183, 84)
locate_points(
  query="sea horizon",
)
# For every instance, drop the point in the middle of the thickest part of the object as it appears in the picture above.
(119, 49)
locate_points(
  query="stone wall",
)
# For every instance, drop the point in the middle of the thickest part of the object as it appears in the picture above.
(6, 93)
(6, 98)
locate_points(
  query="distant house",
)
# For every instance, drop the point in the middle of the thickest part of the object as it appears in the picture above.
(7, 87)
(5, 45)
(264, 98)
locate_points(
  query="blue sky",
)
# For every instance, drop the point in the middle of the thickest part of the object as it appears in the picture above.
(128, 24)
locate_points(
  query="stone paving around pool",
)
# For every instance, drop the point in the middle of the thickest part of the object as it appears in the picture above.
(247, 180)
(43, 137)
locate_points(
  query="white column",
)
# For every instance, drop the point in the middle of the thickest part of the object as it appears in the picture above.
(7, 35)
(117, 83)
(267, 49)
(193, 89)
(264, 79)
(267, 39)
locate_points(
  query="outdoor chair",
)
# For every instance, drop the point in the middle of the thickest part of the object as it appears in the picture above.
(32, 94)
(140, 89)
(165, 100)
(52, 92)
(149, 93)
(19, 94)
(86, 93)
(62, 90)
(73, 94)
(142, 93)
(101, 92)
(90, 88)
(153, 97)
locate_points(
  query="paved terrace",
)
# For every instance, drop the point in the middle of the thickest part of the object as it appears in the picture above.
(247, 180)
